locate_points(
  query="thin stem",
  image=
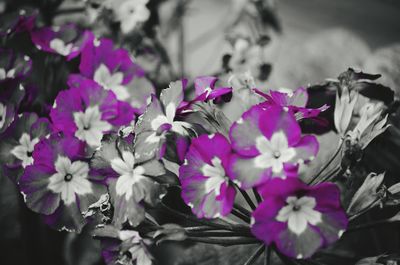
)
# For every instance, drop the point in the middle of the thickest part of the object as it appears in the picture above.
(240, 215)
(220, 234)
(253, 258)
(202, 222)
(242, 209)
(247, 198)
(224, 241)
(372, 225)
(181, 40)
(267, 260)
(257, 196)
(200, 228)
(328, 163)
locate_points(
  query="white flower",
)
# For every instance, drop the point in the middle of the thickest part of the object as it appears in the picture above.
(298, 213)
(215, 174)
(59, 46)
(344, 106)
(168, 118)
(130, 13)
(112, 82)
(129, 174)
(70, 179)
(6, 74)
(137, 250)
(90, 126)
(3, 113)
(24, 150)
(274, 152)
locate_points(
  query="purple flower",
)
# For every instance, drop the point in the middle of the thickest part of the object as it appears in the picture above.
(297, 218)
(123, 246)
(18, 21)
(131, 183)
(59, 184)
(114, 70)
(206, 187)
(268, 144)
(159, 119)
(294, 100)
(87, 111)
(66, 40)
(18, 141)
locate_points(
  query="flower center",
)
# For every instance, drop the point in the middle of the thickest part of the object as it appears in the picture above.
(298, 213)
(215, 174)
(68, 177)
(277, 154)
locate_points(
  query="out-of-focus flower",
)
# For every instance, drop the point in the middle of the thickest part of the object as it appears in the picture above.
(18, 21)
(131, 183)
(130, 13)
(268, 144)
(14, 67)
(206, 187)
(297, 218)
(67, 40)
(123, 246)
(18, 141)
(370, 125)
(159, 119)
(294, 100)
(59, 184)
(114, 70)
(88, 111)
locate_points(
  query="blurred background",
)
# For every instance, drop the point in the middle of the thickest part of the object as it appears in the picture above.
(308, 41)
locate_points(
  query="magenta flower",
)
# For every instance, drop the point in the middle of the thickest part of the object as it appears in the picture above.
(18, 21)
(268, 144)
(60, 184)
(66, 40)
(18, 141)
(114, 70)
(296, 101)
(87, 111)
(297, 218)
(123, 246)
(206, 187)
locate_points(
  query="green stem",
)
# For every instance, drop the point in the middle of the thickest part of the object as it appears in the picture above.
(267, 260)
(257, 196)
(328, 163)
(247, 198)
(253, 258)
(224, 241)
(240, 215)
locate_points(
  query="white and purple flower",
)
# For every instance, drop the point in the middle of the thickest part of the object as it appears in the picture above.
(294, 100)
(206, 188)
(87, 111)
(114, 70)
(123, 246)
(297, 218)
(18, 141)
(268, 144)
(60, 184)
(66, 40)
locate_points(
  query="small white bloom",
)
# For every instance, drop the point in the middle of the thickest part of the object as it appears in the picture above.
(215, 174)
(90, 126)
(168, 118)
(24, 150)
(129, 174)
(60, 47)
(110, 81)
(130, 13)
(274, 152)
(71, 178)
(298, 213)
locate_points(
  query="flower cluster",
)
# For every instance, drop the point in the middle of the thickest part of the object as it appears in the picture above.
(111, 145)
